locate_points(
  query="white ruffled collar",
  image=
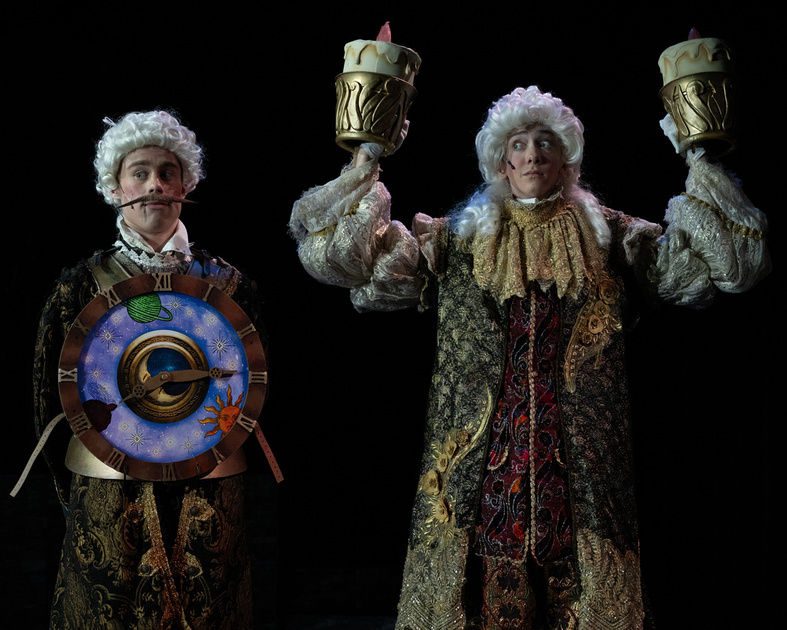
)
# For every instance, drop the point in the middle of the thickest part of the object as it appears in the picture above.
(173, 253)
(179, 242)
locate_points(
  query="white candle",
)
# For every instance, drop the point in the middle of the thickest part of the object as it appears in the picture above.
(382, 57)
(695, 56)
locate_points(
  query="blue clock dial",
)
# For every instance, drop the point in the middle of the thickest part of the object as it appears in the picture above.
(165, 383)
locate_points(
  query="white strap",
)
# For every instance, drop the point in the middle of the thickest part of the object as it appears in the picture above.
(36, 452)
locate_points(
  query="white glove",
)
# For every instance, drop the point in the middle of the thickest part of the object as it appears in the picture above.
(375, 150)
(669, 129)
(372, 149)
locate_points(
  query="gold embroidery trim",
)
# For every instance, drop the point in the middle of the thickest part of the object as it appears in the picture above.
(597, 320)
(611, 597)
(446, 456)
(531, 437)
(323, 232)
(735, 228)
(527, 216)
(156, 558)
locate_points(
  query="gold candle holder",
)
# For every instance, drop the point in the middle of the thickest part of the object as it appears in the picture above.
(697, 93)
(374, 93)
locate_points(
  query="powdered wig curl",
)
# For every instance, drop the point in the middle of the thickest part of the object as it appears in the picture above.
(519, 110)
(145, 129)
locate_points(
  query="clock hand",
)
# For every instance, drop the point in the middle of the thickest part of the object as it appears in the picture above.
(176, 376)
(184, 376)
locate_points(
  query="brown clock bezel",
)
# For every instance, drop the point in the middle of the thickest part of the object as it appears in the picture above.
(254, 399)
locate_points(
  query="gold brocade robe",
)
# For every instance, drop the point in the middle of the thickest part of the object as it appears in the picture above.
(346, 237)
(468, 372)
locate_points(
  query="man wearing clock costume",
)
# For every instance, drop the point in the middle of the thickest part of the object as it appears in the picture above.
(524, 516)
(143, 554)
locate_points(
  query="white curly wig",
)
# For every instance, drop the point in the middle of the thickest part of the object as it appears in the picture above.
(145, 129)
(519, 110)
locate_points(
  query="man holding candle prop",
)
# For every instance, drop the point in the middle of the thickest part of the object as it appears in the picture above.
(525, 514)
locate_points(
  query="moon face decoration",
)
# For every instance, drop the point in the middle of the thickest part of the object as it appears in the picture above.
(162, 376)
(165, 350)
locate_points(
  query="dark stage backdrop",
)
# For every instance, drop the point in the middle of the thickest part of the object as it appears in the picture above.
(348, 391)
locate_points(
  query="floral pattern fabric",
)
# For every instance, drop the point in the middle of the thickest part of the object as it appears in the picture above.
(526, 461)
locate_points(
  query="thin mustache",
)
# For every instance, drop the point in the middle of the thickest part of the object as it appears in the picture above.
(154, 197)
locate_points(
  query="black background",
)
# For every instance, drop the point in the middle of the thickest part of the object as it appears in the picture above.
(348, 391)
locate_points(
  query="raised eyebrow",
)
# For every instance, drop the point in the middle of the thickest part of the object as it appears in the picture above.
(538, 134)
(148, 164)
(541, 133)
(137, 163)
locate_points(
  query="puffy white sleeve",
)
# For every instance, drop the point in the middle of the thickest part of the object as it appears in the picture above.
(714, 240)
(346, 237)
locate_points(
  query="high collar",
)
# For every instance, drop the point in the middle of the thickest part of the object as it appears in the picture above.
(174, 252)
(529, 213)
(178, 242)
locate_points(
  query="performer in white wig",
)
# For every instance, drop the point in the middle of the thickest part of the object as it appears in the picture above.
(525, 109)
(525, 515)
(142, 554)
(145, 129)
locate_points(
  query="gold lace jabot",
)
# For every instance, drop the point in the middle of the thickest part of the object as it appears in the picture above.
(549, 242)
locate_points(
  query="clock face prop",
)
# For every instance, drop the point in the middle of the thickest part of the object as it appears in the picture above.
(162, 377)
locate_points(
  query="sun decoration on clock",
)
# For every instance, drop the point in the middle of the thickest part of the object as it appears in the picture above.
(143, 363)
(226, 415)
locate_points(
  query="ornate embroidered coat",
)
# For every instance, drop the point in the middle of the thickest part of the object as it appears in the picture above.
(123, 538)
(345, 237)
